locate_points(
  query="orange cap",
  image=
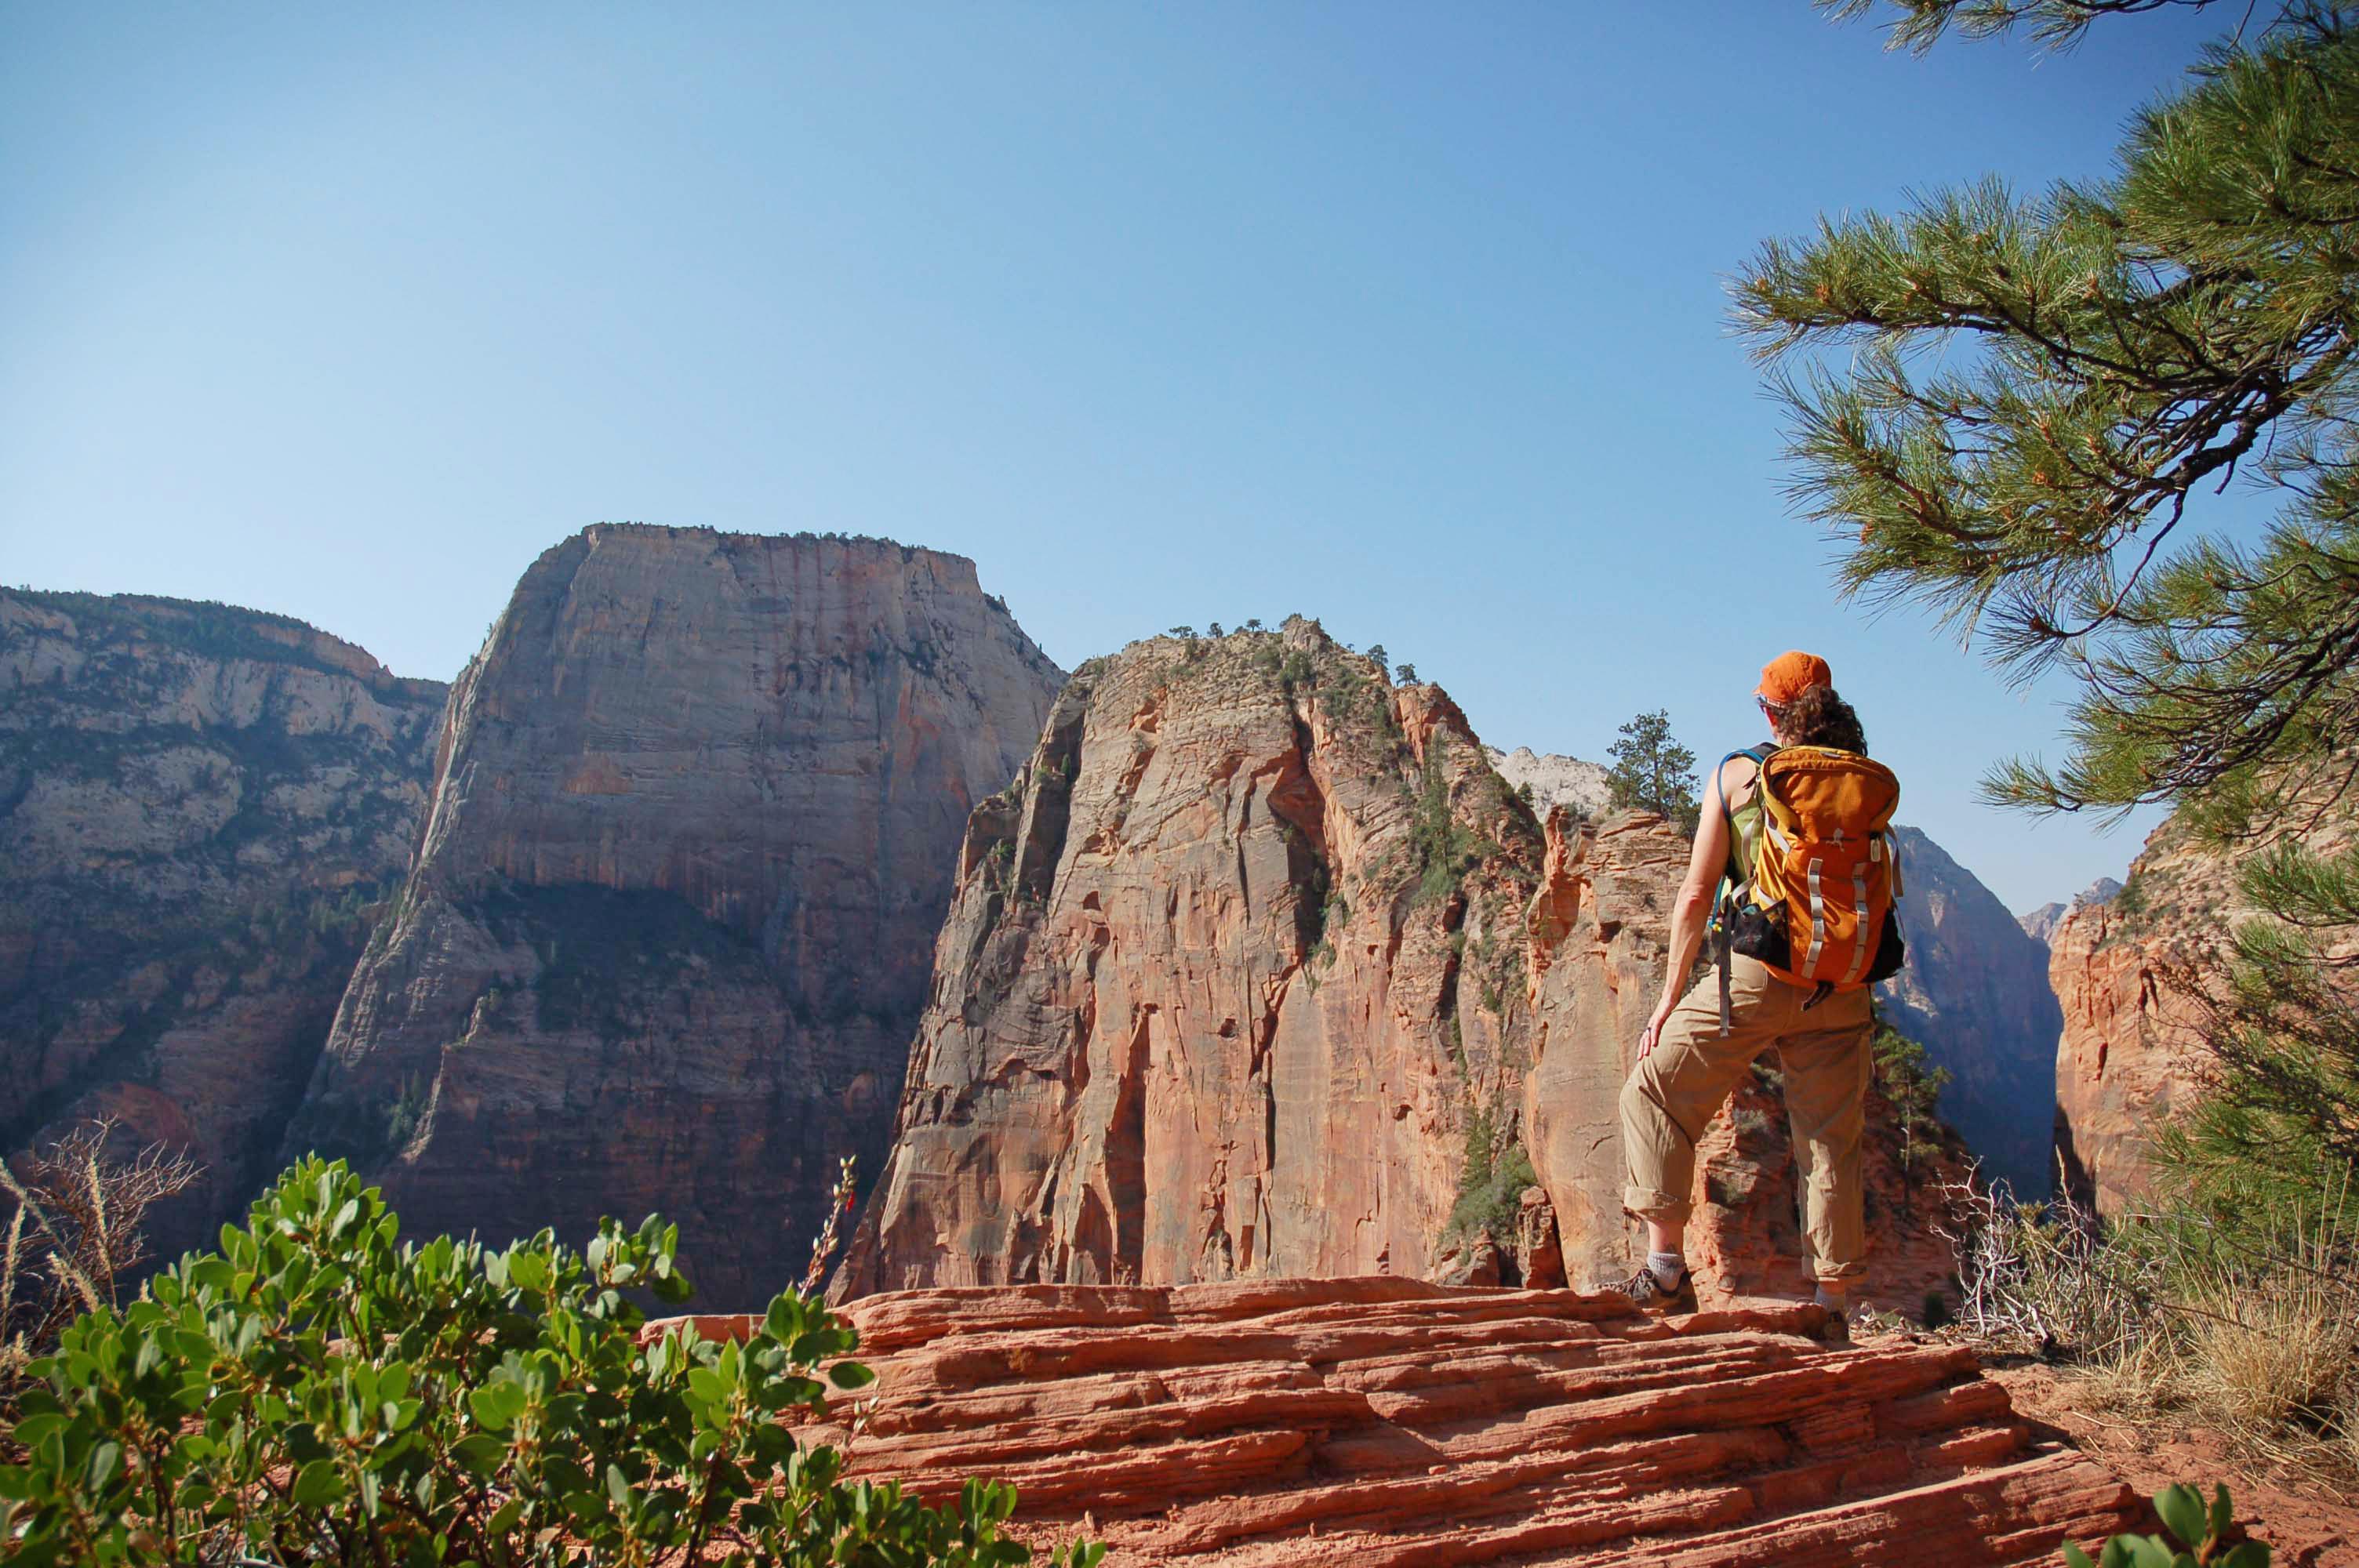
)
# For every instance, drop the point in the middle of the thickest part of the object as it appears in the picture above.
(1791, 674)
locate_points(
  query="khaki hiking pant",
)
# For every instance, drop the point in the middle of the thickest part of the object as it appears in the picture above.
(1670, 1096)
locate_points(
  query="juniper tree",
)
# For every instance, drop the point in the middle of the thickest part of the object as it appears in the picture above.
(2039, 400)
(1652, 771)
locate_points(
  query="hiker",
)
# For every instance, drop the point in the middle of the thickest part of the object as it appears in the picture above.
(1795, 838)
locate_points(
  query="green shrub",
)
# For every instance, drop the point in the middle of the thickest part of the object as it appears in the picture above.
(316, 1392)
(1491, 1182)
(2203, 1532)
(1914, 1086)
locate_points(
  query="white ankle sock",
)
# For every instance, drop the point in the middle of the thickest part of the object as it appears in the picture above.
(1668, 1267)
(1833, 1301)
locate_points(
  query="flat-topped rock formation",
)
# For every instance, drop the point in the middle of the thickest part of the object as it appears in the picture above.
(694, 816)
(1385, 1423)
(202, 809)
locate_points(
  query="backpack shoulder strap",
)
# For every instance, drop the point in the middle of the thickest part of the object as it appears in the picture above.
(1758, 755)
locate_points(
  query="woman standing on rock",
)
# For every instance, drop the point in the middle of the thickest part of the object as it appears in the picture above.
(1808, 923)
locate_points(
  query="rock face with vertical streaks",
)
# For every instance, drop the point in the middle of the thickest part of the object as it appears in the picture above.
(2129, 972)
(693, 818)
(200, 808)
(1230, 975)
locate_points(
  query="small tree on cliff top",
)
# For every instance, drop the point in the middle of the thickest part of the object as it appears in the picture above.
(1653, 771)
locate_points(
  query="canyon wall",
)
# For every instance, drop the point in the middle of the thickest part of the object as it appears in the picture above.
(1229, 976)
(694, 817)
(2128, 972)
(1975, 994)
(199, 808)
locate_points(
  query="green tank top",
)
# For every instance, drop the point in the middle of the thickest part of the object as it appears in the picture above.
(1743, 825)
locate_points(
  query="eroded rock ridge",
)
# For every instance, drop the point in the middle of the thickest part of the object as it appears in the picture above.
(1229, 976)
(1261, 969)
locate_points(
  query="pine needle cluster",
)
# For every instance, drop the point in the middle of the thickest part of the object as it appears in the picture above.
(2018, 412)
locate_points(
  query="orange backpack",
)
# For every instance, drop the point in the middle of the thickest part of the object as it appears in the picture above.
(1815, 905)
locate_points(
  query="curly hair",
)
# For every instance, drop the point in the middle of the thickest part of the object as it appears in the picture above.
(1818, 717)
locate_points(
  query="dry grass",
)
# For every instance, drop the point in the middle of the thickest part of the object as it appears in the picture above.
(2169, 1320)
(73, 1237)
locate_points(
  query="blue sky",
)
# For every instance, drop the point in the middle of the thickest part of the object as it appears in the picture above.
(1412, 319)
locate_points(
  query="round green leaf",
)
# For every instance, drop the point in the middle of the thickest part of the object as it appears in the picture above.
(318, 1485)
(2182, 1510)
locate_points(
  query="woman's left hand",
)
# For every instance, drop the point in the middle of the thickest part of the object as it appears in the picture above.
(1654, 1030)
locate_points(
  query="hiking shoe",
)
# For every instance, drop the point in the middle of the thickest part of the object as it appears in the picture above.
(1834, 1329)
(1648, 1294)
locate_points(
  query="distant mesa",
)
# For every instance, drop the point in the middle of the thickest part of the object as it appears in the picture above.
(694, 811)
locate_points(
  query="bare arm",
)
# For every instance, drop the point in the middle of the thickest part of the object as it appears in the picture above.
(1693, 906)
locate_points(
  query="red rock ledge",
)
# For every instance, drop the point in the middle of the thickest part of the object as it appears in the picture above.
(1384, 1423)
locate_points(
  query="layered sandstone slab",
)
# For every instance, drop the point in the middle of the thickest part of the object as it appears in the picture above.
(1231, 972)
(693, 822)
(1386, 1422)
(200, 808)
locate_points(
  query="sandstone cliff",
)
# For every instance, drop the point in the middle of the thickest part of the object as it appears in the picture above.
(198, 806)
(2128, 974)
(1975, 994)
(2132, 974)
(693, 819)
(1230, 974)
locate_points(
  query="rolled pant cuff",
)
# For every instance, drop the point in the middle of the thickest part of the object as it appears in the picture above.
(1660, 1207)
